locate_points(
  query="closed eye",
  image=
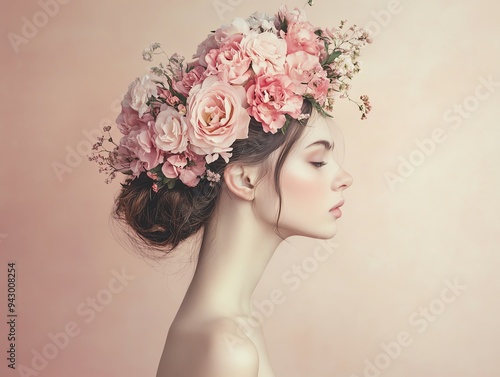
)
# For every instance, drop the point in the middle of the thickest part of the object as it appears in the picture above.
(319, 164)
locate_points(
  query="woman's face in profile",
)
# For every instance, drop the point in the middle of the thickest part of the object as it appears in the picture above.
(312, 183)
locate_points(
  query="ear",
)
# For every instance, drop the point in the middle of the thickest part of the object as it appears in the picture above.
(240, 180)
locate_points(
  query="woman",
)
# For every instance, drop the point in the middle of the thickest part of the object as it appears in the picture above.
(238, 242)
(237, 143)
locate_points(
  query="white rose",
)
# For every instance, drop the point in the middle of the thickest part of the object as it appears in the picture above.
(138, 94)
(267, 51)
(171, 130)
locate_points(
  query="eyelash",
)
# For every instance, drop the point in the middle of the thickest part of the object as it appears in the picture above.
(319, 164)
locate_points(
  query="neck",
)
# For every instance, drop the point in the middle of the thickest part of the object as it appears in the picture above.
(235, 251)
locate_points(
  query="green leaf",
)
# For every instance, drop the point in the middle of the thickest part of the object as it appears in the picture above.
(287, 123)
(319, 108)
(334, 55)
(171, 183)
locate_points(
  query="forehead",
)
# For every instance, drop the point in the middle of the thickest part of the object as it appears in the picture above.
(318, 128)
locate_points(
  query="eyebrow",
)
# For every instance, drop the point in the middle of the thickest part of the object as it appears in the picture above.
(324, 143)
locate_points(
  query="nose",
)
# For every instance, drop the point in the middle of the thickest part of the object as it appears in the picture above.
(342, 180)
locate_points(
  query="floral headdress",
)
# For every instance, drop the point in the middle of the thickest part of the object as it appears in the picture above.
(181, 117)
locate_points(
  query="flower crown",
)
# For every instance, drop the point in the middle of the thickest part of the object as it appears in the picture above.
(181, 117)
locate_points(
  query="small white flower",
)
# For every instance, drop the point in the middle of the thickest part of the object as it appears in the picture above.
(154, 46)
(147, 55)
(212, 177)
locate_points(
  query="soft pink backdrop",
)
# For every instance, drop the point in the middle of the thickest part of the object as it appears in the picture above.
(395, 249)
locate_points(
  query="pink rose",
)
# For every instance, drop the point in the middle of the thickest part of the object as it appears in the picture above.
(140, 143)
(126, 160)
(270, 98)
(230, 63)
(123, 160)
(194, 169)
(217, 114)
(237, 26)
(164, 93)
(215, 39)
(168, 97)
(192, 78)
(318, 87)
(172, 165)
(301, 67)
(300, 36)
(138, 94)
(290, 16)
(267, 52)
(188, 167)
(129, 120)
(204, 47)
(137, 167)
(171, 130)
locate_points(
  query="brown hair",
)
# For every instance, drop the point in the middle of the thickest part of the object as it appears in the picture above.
(161, 221)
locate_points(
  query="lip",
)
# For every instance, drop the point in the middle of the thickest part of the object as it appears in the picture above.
(339, 204)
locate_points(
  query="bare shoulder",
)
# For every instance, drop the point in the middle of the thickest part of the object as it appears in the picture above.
(215, 348)
(230, 349)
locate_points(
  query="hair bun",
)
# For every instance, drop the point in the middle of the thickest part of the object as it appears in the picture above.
(163, 219)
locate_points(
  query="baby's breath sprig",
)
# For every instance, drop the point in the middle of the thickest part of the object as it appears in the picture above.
(108, 161)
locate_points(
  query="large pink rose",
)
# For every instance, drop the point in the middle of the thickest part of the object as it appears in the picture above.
(267, 52)
(300, 36)
(270, 98)
(138, 94)
(189, 172)
(217, 114)
(230, 63)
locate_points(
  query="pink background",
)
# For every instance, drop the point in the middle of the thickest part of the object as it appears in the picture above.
(395, 249)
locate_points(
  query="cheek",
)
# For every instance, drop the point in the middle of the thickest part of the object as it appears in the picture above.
(302, 185)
